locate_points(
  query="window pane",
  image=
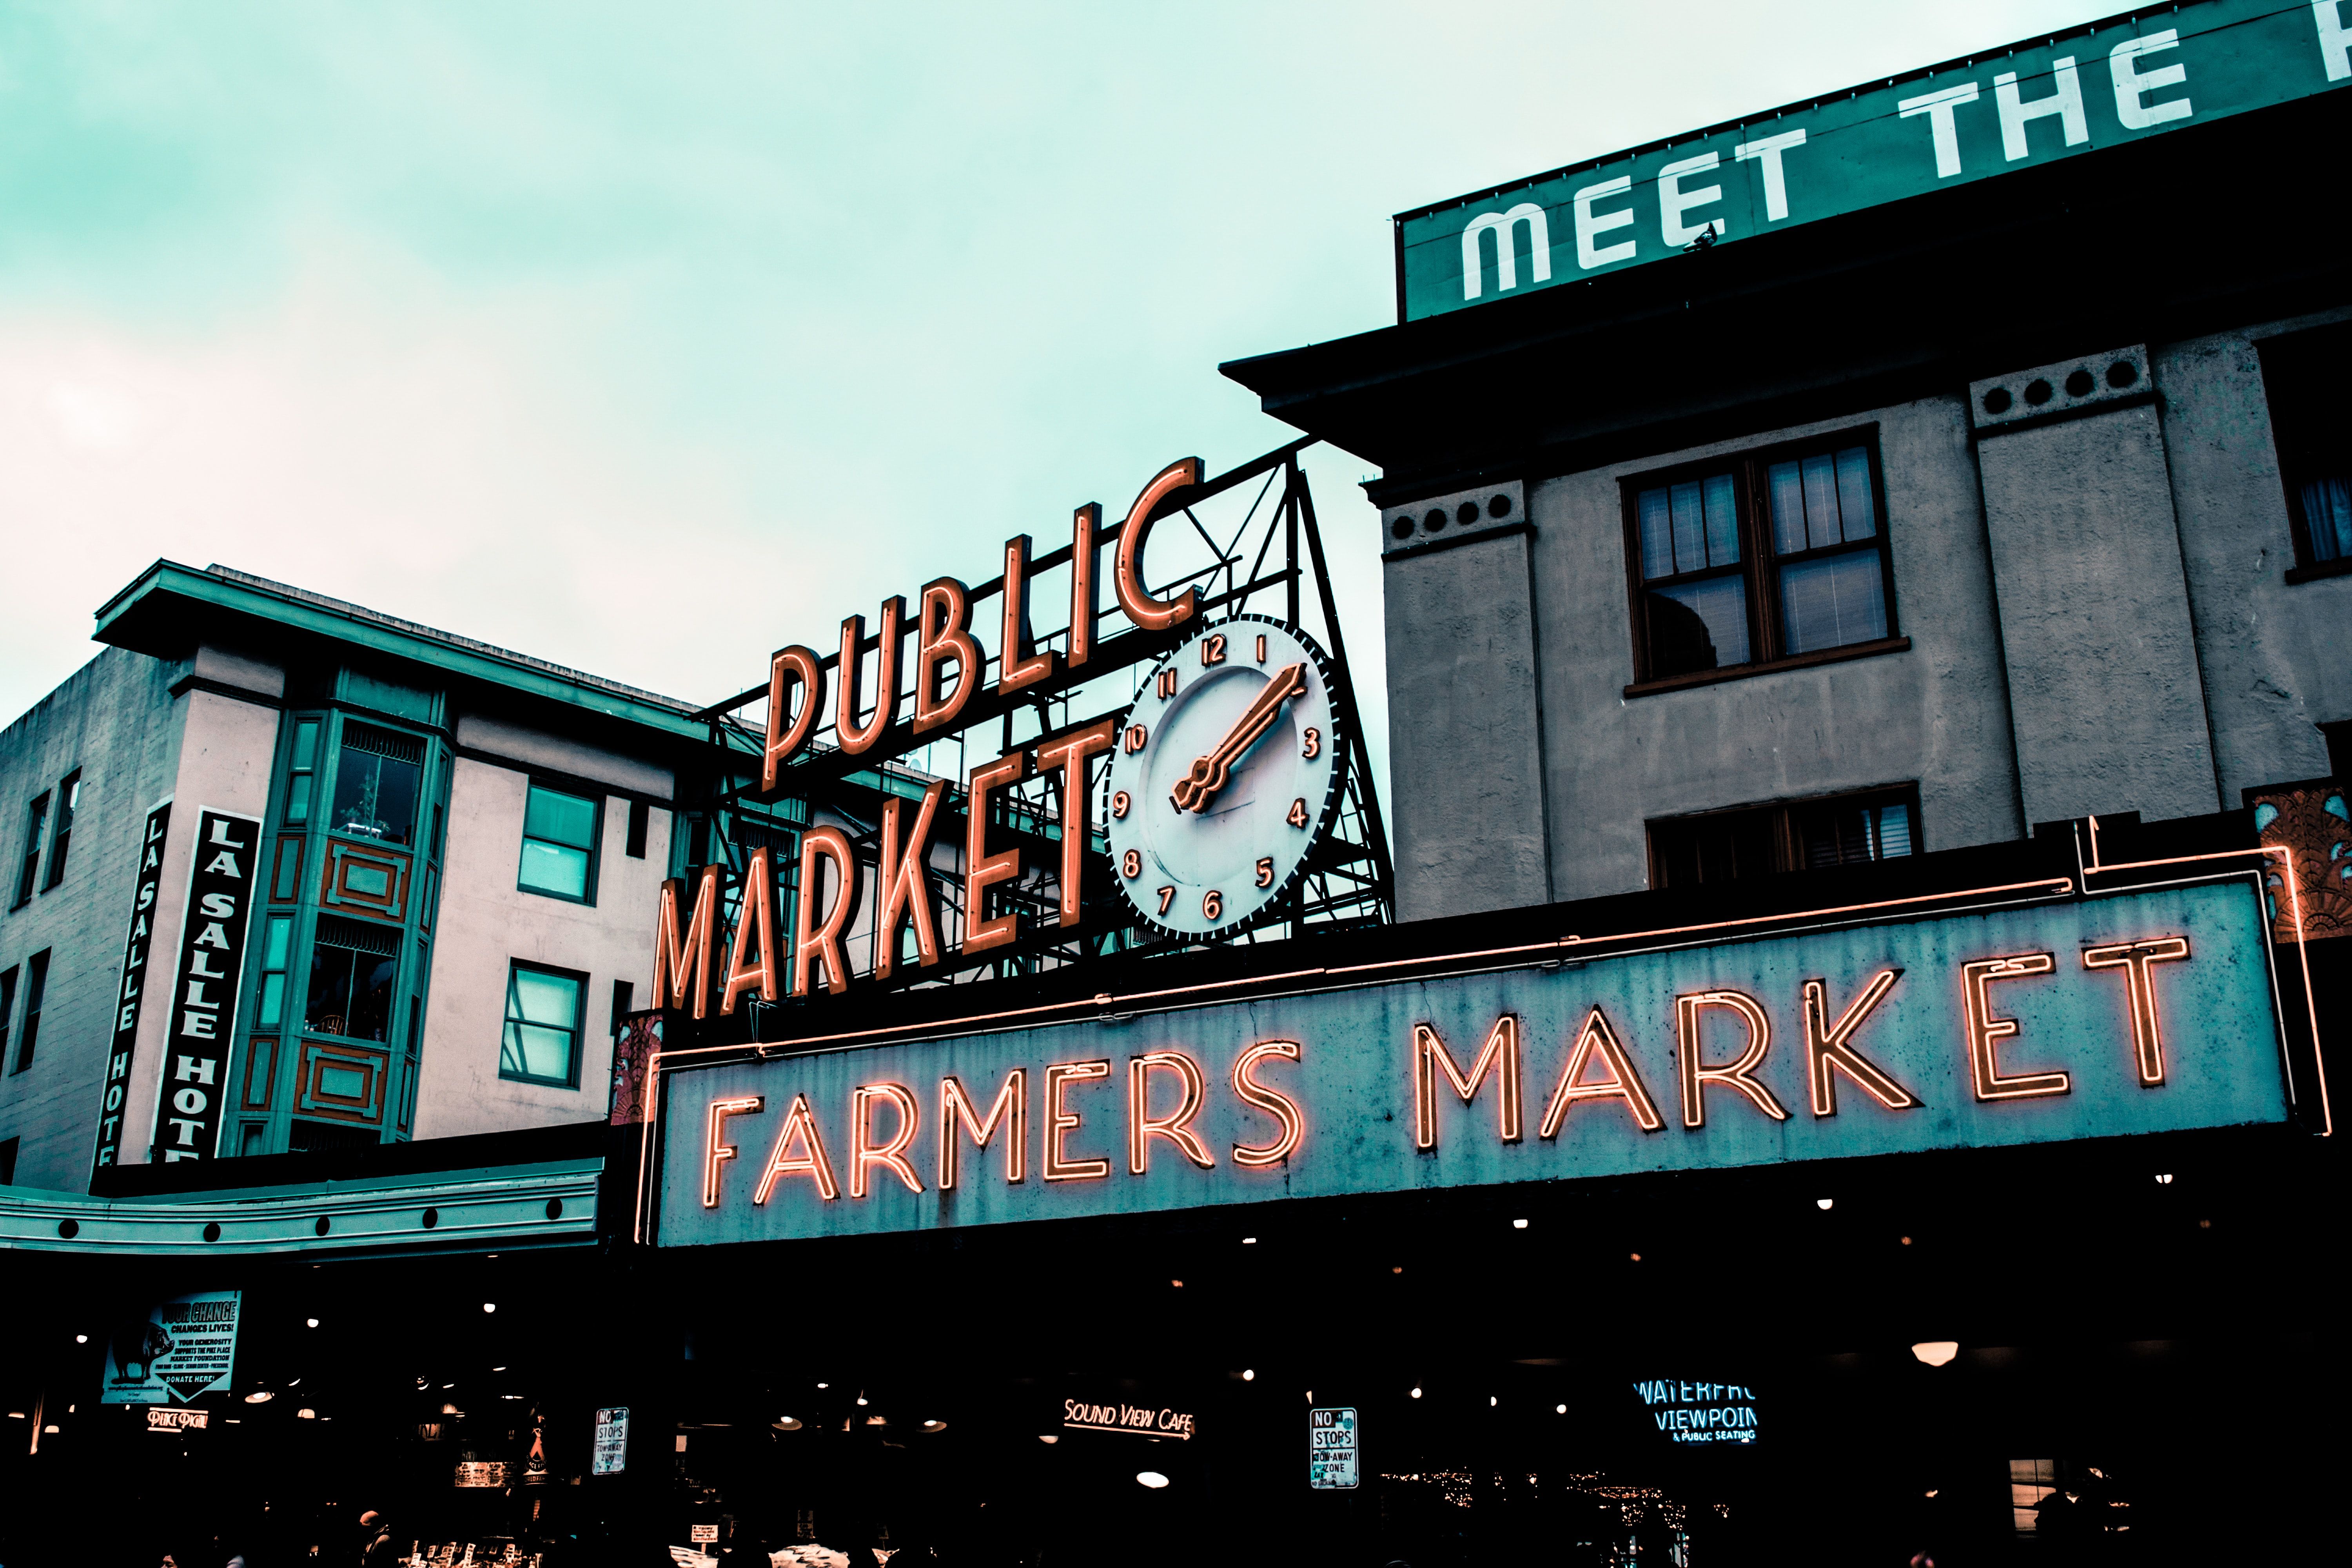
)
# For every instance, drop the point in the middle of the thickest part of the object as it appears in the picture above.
(1894, 831)
(1831, 603)
(532, 1052)
(551, 999)
(1690, 529)
(306, 744)
(349, 993)
(1820, 501)
(1722, 521)
(1855, 506)
(1788, 507)
(1835, 836)
(552, 869)
(273, 946)
(375, 797)
(2327, 513)
(1657, 538)
(560, 818)
(1698, 625)
(273, 999)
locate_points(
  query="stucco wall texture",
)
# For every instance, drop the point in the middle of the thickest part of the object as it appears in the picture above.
(2098, 620)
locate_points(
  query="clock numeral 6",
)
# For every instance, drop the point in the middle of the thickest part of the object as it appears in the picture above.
(1297, 816)
(1130, 865)
(1121, 802)
(1166, 685)
(1314, 743)
(1136, 735)
(1167, 897)
(1212, 905)
(1214, 650)
(1265, 872)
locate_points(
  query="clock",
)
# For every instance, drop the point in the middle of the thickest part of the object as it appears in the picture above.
(1226, 775)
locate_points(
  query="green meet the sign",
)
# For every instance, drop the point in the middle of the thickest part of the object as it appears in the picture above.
(2101, 86)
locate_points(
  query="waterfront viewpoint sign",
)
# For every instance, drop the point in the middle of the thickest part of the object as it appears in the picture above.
(2055, 1016)
(2098, 86)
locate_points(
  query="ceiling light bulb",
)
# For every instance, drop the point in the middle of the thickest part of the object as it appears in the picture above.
(1249, 1241)
(1151, 1478)
(306, 1414)
(259, 1397)
(1492, 1402)
(1518, 1224)
(1416, 1393)
(312, 1321)
(1559, 1409)
(1935, 1353)
(490, 1306)
(2165, 1180)
(824, 1385)
(861, 1399)
(81, 1339)
(1824, 1202)
(1047, 1438)
(1249, 1374)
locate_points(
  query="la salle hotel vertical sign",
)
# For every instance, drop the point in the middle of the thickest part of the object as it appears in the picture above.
(132, 995)
(2138, 1011)
(205, 977)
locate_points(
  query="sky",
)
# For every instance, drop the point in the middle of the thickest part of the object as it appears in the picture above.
(647, 338)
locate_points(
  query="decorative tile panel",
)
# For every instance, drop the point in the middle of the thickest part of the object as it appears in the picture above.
(343, 1082)
(364, 879)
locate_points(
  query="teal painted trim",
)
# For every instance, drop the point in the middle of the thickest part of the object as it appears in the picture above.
(505, 1209)
(118, 618)
(2105, 84)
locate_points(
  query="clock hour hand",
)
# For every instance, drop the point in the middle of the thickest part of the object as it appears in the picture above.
(1213, 772)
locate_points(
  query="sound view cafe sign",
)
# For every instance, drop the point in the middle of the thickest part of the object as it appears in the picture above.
(2063, 1013)
(2147, 73)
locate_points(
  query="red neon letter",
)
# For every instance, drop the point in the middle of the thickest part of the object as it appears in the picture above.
(1085, 530)
(845, 728)
(982, 871)
(1623, 1082)
(1273, 1101)
(1985, 1031)
(904, 876)
(798, 665)
(1826, 1047)
(1016, 666)
(942, 632)
(1696, 1075)
(713, 1151)
(756, 920)
(1176, 1128)
(2133, 958)
(955, 1109)
(1500, 1054)
(813, 939)
(1060, 1121)
(864, 1152)
(800, 1123)
(1069, 754)
(682, 956)
(1127, 572)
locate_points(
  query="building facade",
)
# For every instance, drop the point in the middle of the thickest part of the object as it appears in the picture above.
(456, 849)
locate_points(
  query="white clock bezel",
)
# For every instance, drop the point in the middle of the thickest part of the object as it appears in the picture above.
(1168, 857)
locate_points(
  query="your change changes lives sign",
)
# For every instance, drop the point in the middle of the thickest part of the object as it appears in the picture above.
(177, 1350)
(2138, 1012)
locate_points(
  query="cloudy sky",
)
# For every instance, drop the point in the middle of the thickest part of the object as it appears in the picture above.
(557, 324)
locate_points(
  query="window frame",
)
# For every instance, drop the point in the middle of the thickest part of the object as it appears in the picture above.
(1781, 819)
(36, 996)
(579, 980)
(2286, 368)
(1758, 567)
(37, 824)
(62, 810)
(594, 851)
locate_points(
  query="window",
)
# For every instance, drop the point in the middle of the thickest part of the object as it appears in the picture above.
(625, 1002)
(276, 938)
(8, 1006)
(377, 781)
(2303, 379)
(61, 833)
(2030, 1484)
(542, 1032)
(559, 845)
(8, 1162)
(1746, 562)
(352, 966)
(37, 981)
(299, 771)
(640, 817)
(38, 818)
(1802, 835)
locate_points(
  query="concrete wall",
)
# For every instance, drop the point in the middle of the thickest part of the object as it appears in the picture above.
(485, 921)
(114, 719)
(2276, 656)
(1937, 713)
(1466, 727)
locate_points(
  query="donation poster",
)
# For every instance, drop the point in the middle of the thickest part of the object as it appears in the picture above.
(178, 1349)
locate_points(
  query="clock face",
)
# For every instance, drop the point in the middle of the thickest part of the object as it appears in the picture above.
(1226, 774)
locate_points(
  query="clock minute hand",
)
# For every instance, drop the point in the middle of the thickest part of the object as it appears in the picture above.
(1210, 774)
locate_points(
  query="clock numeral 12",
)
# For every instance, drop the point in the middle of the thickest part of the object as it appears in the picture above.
(1297, 814)
(1213, 651)
(1265, 872)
